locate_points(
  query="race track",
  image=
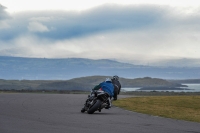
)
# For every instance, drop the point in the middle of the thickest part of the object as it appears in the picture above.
(60, 113)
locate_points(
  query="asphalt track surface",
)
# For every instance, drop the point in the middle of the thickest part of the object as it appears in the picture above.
(60, 113)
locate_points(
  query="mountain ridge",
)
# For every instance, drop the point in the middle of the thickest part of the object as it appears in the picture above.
(68, 68)
(81, 83)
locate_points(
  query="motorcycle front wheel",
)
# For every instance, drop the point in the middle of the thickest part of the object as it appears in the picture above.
(94, 107)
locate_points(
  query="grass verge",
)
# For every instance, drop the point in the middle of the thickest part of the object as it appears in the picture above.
(176, 107)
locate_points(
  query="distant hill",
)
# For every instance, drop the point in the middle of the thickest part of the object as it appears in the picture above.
(63, 69)
(186, 81)
(82, 83)
(184, 62)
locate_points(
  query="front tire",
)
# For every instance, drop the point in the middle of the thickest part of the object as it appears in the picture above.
(94, 107)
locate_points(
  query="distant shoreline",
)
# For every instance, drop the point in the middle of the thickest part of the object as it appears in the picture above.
(163, 88)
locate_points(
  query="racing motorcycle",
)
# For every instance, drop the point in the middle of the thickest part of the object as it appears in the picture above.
(97, 100)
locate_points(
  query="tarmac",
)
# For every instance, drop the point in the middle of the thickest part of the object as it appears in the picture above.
(61, 113)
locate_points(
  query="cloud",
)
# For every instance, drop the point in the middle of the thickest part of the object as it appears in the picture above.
(132, 45)
(68, 25)
(3, 14)
(42, 19)
(4, 25)
(139, 33)
(3, 17)
(37, 27)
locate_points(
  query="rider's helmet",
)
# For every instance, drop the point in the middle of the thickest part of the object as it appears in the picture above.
(115, 77)
(108, 80)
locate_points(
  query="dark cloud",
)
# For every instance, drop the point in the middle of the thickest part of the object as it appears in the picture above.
(60, 25)
(103, 19)
(3, 14)
(65, 25)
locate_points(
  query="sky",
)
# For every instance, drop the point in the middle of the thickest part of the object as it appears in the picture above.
(130, 31)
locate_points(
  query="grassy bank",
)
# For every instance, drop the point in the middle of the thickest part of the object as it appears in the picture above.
(176, 107)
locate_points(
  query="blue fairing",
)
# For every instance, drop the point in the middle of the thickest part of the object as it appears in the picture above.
(107, 87)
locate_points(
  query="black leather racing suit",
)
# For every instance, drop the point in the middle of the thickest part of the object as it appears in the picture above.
(117, 88)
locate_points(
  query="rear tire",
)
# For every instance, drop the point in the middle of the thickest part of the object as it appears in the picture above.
(94, 107)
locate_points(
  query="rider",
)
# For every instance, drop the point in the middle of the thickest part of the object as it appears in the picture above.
(108, 87)
(117, 86)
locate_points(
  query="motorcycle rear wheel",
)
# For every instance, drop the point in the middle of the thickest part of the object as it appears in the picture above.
(94, 107)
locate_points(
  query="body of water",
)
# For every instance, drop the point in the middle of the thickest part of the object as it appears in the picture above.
(193, 87)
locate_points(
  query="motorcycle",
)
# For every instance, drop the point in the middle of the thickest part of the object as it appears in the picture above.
(96, 101)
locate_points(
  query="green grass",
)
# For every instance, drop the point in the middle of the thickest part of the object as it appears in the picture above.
(176, 107)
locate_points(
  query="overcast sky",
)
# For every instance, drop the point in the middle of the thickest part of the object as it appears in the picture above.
(123, 30)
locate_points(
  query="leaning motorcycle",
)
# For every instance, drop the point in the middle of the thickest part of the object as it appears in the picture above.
(96, 101)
